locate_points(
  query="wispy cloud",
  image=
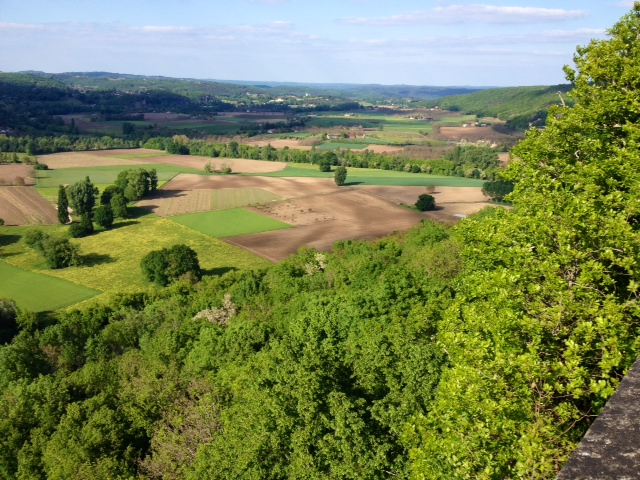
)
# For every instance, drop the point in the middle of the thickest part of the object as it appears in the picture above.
(456, 14)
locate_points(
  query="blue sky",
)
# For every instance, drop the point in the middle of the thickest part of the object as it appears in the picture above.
(439, 42)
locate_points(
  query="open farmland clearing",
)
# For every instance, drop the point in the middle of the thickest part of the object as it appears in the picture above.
(16, 174)
(40, 292)
(25, 206)
(341, 215)
(227, 223)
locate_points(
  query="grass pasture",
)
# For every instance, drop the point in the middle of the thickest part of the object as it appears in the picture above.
(370, 176)
(111, 259)
(229, 223)
(39, 292)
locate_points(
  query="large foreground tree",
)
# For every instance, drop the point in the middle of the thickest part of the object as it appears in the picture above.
(546, 315)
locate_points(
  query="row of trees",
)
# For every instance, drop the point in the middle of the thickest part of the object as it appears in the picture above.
(465, 161)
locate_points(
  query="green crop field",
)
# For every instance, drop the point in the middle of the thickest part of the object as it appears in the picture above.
(226, 198)
(370, 176)
(229, 223)
(102, 175)
(112, 258)
(39, 292)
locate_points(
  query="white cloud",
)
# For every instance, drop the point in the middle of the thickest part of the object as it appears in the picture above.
(456, 14)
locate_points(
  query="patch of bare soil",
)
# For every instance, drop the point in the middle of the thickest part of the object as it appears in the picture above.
(17, 175)
(443, 195)
(326, 218)
(474, 134)
(281, 143)
(384, 149)
(504, 158)
(238, 165)
(166, 203)
(24, 206)
(288, 187)
(89, 159)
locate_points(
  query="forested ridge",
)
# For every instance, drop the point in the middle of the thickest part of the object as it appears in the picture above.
(479, 351)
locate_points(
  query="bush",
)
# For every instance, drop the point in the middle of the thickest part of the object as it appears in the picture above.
(103, 216)
(324, 167)
(82, 229)
(36, 239)
(61, 253)
(41, 166)
(425, 203)
(170, 264)
(497, 190)
(119, 206)
(340, 176)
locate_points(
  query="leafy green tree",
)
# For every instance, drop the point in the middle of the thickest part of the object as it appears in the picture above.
(426, 202)
(108, 193)
(103, 216)
(61, 253)
(169, 264)
(82, 196)
(119, 206)
(36, 239)
(8, 322)
(340, 176)
(63, 206)
(128, 128)
(497, 190)
(545, 320)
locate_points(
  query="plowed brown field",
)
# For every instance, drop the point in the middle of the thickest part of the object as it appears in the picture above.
(105, 158)
(288, 187)
(324, 219)
(24, 206)
(12, 173)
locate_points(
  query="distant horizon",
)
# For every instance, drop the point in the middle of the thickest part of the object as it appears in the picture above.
(257, 83)
(501, 43)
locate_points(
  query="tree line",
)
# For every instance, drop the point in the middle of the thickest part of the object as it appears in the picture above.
(464, 161)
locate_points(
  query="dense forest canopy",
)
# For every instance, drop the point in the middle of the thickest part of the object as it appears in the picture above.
(481, 351)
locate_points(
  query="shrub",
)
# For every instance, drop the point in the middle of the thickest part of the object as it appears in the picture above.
(340, 176)
(103, 216)
(36, 239)
(61, 253)
(425, 203)
(170, 264)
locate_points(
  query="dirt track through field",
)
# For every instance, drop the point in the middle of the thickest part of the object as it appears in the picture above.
(24, 206)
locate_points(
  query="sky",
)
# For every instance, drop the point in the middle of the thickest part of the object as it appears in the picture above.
(391, 42)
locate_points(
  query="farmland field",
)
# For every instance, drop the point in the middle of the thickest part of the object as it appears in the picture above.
(24, 206)
(227, 223)
(40, 292)
(112, 258)
(371, 176)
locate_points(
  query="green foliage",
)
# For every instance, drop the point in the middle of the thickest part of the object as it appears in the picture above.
(119, 206)
(82, 196)
(518, 105)
(8, 322)
(103, 216)
(82, 228)
(63, 206)
(108, 193)
(36, 239)
(546, 316)
(497, 190)
(425, 202)
(340, 176)
(324, 167)
(61, 253)
(170, 264)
